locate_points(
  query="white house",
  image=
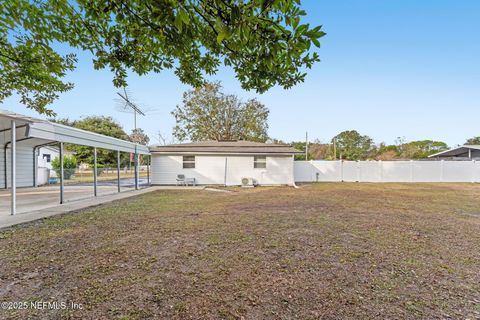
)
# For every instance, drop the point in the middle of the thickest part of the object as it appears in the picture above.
(46, 155)
(223, 163)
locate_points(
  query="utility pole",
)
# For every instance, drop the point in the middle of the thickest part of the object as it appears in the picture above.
(334, 149)
(306, 146)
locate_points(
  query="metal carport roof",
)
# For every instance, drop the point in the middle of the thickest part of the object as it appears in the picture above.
(43, 131)
(36, 132)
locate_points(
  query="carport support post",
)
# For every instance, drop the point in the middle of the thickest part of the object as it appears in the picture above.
(118, 170)
(95, 171)
(13, 169)
(60, 156)
(136, 167)
(148, 169)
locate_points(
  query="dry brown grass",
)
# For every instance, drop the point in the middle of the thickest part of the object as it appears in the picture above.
(323, 251)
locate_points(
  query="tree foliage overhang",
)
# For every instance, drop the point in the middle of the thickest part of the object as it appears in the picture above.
(264, 41)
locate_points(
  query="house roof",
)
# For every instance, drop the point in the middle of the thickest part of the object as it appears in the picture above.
(455, 151)
(226, 147)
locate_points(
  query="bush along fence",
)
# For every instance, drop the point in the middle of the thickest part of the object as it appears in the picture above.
(387, 171)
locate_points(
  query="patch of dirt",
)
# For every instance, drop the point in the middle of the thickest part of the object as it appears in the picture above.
(331, 250)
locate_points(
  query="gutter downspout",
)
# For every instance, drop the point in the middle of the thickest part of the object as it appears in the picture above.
(293, 173)
(225, 175)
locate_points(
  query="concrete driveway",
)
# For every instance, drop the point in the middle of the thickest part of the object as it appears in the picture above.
(38, 203)
(32, 199)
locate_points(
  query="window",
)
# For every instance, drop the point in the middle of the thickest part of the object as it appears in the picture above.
(46, 157)
(259, 162)
(188, 162)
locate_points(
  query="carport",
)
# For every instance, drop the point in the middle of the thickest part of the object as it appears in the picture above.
(21, 136)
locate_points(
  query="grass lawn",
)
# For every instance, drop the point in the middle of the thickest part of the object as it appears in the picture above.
(339, 250)
(83, 177)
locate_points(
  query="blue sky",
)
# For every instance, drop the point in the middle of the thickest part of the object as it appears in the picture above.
(389, 68)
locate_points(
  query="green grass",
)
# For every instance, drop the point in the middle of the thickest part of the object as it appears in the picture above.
(340, 250)
(87, 176)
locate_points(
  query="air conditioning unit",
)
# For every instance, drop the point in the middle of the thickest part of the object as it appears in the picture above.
(248, 182)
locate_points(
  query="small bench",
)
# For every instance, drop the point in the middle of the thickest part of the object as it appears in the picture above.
(184, 181)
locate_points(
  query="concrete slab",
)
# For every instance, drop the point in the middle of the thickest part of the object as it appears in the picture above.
(31, 199)
(37, 202)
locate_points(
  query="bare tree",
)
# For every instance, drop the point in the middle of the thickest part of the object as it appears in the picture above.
(209, 114)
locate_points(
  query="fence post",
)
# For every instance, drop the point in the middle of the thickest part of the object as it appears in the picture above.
(473, 171)
(359, 174)
(411, 170)
(441, 170)
(381, 170)
(341, 170)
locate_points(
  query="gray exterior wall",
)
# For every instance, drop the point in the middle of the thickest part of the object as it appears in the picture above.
(24, 166)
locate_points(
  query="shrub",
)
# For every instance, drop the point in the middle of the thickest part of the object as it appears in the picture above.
(69, 166)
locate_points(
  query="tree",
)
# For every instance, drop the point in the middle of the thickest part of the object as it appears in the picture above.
(139, 136)
(422, 149)
(209, 114)
(318, 150)
(473, 141)
(300, 146)
(409, 150)
(351, 145)
(164, 139)
(387, 152)
(264, 41)
(102, 125)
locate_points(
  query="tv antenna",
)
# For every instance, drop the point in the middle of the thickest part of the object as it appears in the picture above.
(126, 104)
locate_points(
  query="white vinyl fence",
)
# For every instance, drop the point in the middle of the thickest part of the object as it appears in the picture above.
(387, 171)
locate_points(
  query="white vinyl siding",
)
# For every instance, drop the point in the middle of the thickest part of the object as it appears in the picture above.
(278, 171)
(210, 169)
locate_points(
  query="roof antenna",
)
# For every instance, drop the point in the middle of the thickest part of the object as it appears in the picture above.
(125, 104)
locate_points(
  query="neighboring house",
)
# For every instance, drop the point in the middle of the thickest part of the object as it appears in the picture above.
(465, 152)
(223, 163)
(45, 156)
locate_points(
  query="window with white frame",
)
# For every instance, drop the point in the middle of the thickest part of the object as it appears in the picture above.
(188, 162)
(259, 162)
(47, 157)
